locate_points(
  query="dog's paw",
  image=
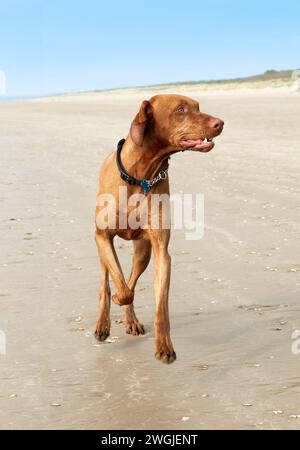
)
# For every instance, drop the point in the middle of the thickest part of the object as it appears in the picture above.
(165, 355)
(124, 298)
(133, 326)
(101, 333)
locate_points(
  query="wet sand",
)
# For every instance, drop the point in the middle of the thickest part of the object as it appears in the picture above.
(234, 299)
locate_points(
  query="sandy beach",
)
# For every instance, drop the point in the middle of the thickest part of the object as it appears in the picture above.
(234, 300)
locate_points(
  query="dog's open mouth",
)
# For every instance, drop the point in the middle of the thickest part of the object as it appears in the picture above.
(200, 145)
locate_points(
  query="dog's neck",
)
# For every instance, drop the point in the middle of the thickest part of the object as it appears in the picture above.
(146, 161)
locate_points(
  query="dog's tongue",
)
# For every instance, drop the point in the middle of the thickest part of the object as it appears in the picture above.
(191, 142)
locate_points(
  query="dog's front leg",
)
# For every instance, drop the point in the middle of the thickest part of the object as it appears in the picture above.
(162, 271)
(103, 323)
(124, 295)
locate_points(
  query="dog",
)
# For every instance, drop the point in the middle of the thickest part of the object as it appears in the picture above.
(164, 125)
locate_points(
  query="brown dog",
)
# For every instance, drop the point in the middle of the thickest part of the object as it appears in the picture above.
(164, 125)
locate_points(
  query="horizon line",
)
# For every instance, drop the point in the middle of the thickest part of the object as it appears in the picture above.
(256, 77)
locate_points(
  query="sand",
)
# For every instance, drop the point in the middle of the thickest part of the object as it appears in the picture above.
(234, 300)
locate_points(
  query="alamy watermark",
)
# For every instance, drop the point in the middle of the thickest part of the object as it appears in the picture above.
(2, 343)
(296, 344)
(2, 82)
(155, 211)
(296, 79)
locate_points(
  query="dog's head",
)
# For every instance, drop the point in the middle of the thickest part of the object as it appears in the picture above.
(175, 122)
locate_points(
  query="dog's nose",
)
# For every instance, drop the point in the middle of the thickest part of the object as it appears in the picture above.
(216, 124)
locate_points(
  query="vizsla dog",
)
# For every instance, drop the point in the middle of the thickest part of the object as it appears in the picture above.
(164, 125)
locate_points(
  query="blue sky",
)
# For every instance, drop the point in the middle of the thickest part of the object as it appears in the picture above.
(64, 46)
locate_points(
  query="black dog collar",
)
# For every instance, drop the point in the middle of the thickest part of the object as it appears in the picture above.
(146, 185)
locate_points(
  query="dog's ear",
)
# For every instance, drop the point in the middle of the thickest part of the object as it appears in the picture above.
(137, 129)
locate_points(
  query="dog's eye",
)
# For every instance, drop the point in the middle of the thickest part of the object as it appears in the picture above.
(180, 109)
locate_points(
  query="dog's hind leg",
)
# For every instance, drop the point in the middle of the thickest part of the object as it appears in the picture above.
(140, 261)
(124, 295)
(103, 323)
